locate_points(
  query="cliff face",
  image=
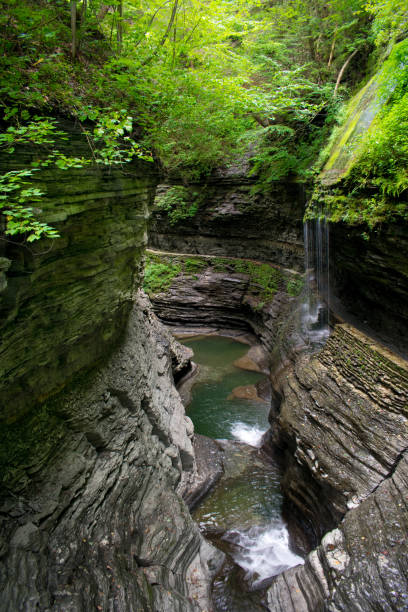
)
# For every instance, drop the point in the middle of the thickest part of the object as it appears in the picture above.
(339, 424)
(98, 523)
(64, 303)
(96, 448)
(231, 221)
(342, 426)
(371, 278)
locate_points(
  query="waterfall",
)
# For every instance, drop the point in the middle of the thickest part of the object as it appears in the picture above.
(315, 310)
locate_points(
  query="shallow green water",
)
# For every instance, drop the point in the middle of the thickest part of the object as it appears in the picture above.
(242, 513)
(212, 413)
(247, 495)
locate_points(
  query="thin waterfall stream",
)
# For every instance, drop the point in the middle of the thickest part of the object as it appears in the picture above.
(242, 515)
(316, 305)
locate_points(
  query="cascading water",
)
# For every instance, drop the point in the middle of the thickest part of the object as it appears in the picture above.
(242, 514)
(315, 315)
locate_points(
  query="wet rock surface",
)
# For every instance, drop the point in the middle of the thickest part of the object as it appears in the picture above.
(101, 525)
(210, 467)
(64, 303)
(343, 428)
(340, 428)
(227, 303)
(372, 278)
(96, 449)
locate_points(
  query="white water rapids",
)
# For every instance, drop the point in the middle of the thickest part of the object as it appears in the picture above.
(250, 434)
(263, 551)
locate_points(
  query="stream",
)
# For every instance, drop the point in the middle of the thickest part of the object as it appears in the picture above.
(242, 515)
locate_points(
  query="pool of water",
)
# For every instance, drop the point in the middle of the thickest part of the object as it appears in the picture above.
(214, 412)
(242, 513)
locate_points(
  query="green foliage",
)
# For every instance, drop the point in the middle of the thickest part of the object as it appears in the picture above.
(16, 199)
(382, 159)
(198, 83)
(110, 138)
(370, 163)
(176, 203)
(390, 21)
(264, 279)
(159, 275)
(108, 144)
(294, 286)
(196, 76)
(194, 265)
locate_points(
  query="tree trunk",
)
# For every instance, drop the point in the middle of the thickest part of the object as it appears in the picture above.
(332, 49)
(170, 24)
(73, 28)
(343, 68)
(119, 27)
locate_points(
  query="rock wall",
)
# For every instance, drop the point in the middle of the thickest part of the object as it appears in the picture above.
(220, 295)
(96, 450)
(64, 303)
(343, 429)
(99, 525)
(339, 425)
(232, 222)
(371, 278)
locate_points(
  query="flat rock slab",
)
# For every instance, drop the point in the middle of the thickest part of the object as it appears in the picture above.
(256, 360)
(210, 467)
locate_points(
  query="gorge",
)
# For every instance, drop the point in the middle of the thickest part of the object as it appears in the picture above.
(145, 225)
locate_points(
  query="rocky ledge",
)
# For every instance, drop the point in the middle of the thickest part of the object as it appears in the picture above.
(100, 524)
(342, 427)
(232, 220)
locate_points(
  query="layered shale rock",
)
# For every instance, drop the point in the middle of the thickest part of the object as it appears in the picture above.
(211, 293)
(371, 278)
(343, 426)
(64, 303)
(232, 221)
(340, 428)
(96, 450)
(99, 524)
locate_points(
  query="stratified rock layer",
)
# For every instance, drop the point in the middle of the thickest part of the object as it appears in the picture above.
(340, 426)
(100, 525)
(64, 303)
(233, 221)
(343, 426)
(96, 450)
(371, 278)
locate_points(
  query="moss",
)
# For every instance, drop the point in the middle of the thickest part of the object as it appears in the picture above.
(159, 276)
(343, 135)
(193, 265)
(294, 286)
(264, 279)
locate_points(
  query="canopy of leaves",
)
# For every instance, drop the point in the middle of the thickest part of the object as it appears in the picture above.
(199, 82)
(195, 75)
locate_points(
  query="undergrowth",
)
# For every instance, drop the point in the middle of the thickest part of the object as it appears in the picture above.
(264, 280)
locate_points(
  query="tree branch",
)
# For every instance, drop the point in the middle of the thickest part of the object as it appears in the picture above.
(343, 68)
